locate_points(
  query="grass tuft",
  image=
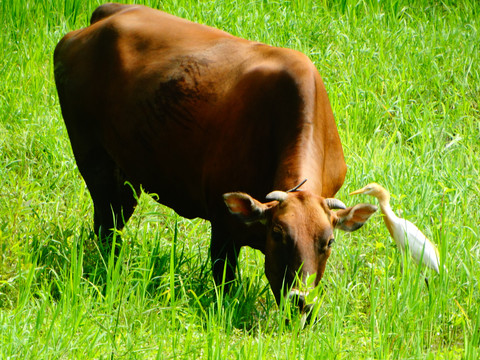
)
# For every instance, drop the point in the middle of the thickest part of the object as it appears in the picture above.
(404, 82)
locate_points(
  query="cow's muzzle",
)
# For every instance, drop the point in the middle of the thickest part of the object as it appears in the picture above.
(299, 298)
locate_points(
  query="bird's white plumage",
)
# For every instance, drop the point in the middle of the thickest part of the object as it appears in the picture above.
(407, 235)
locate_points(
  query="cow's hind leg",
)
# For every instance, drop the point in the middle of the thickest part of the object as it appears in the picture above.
(114, 199)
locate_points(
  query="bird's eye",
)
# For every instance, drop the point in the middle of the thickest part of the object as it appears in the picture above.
(330, 242)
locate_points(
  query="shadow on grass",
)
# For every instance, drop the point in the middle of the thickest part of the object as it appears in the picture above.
(161, 272)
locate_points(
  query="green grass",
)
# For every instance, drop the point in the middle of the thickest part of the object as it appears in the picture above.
(404, 82)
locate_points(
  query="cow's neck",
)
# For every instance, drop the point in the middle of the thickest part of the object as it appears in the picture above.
(301, 161)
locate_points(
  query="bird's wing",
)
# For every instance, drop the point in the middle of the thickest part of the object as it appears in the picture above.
(420, 245)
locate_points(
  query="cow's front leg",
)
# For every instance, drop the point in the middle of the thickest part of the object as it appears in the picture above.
(224, 255)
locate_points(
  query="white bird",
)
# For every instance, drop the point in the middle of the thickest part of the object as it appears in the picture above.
(403, 231)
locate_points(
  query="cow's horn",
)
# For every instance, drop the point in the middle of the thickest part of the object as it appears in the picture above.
(277, 195)
(296, 187)
(335, 204)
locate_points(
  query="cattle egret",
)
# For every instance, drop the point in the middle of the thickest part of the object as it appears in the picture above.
(403, 231)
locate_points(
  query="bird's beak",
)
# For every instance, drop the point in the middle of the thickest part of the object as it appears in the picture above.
(359, 191)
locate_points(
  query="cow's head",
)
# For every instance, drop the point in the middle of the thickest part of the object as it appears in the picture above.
(299, 234)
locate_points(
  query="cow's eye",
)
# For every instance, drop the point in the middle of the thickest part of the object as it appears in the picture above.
(330, 242)
(277, 234)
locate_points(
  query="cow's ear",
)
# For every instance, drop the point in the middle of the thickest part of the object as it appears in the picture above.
(246, 208)
(353, 218)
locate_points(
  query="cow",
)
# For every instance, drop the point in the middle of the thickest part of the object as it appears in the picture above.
(211, 123)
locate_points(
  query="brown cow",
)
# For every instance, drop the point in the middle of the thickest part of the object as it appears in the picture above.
(196, 115)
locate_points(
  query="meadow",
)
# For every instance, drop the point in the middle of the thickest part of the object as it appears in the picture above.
(403, 78)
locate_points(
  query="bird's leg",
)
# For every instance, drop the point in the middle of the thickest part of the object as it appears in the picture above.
(426, 282)
(401, 262)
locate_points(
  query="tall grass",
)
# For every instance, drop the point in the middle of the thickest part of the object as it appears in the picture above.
(403, 80)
